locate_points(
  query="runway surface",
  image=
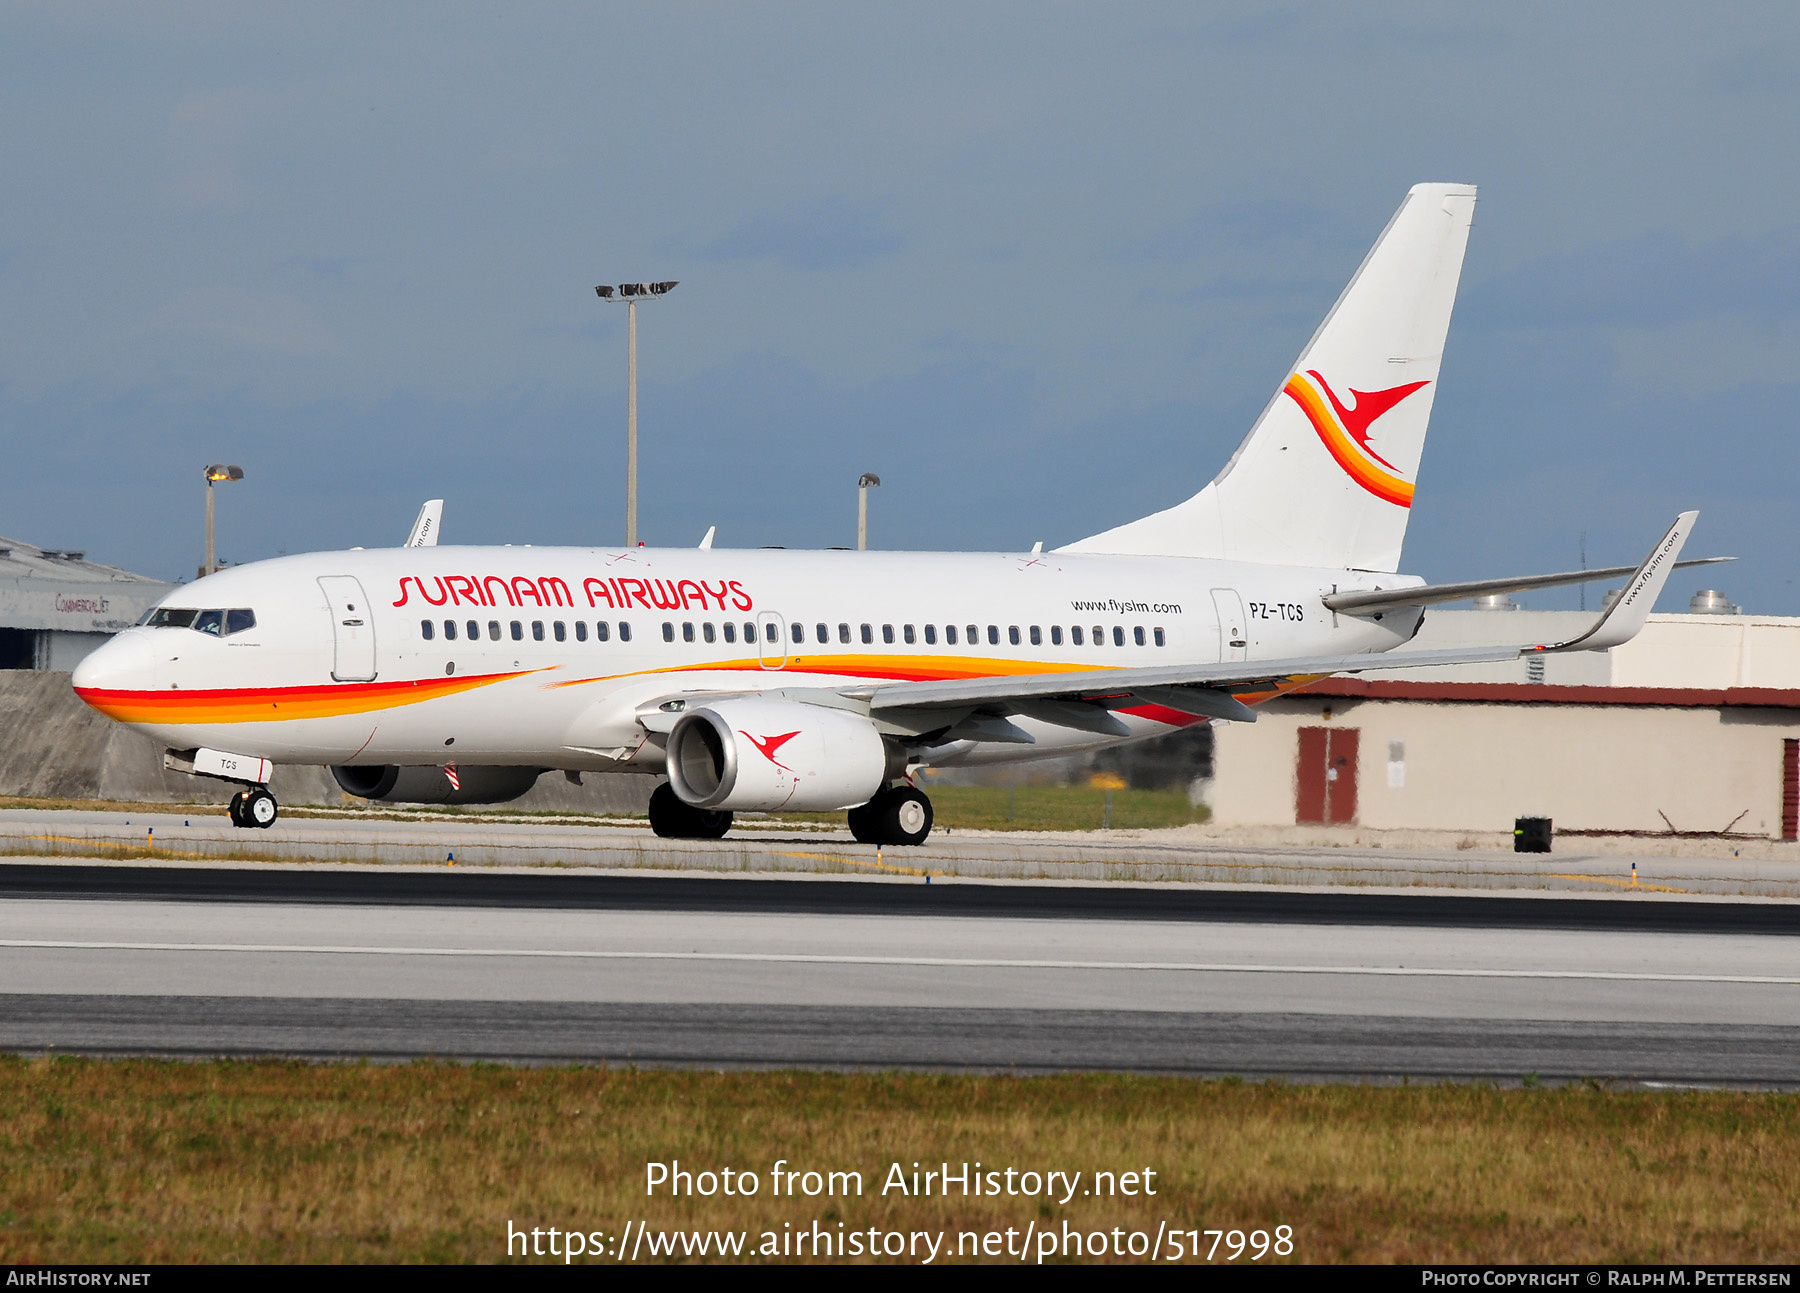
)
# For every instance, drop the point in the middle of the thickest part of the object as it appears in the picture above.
(391, 962)
(1133, 857)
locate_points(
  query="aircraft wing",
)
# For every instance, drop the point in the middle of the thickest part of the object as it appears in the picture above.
(1209, 689)
(1358, 603)
(424, 532)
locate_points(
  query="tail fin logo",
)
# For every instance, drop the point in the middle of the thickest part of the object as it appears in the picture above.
(1345, 431)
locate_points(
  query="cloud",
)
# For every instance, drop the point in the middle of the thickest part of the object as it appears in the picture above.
(1653, 280)
(833, 233)
(266, 321)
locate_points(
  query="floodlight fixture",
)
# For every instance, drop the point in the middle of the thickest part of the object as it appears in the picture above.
(215, 472)
(631, 294)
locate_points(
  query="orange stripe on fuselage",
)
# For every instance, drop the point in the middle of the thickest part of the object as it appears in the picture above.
(278, 704)
(1383, 485)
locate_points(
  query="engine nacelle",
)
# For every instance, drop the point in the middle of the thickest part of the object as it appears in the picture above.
(755, 754)
(427, 785)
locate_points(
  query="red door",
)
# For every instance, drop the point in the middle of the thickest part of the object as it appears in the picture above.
(1325, 780)
(1790, 790)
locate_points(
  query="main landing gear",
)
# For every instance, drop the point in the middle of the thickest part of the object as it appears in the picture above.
(897, 815)
(254, 807)
(673, 818)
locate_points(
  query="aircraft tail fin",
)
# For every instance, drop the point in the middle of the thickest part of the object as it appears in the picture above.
(1325, 477)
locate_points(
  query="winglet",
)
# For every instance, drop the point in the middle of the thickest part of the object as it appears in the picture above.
(1628, 612)
(425, 529)
(706, 543)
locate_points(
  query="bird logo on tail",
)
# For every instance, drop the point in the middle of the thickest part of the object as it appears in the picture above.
(1345, 431)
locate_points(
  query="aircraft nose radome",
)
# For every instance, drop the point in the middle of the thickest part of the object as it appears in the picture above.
(123, 664)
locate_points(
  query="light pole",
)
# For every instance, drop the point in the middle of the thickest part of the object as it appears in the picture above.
(864, 483)
(631, 294)
(217, 472)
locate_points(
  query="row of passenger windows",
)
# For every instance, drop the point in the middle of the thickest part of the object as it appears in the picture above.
(1015, 636)
(516, 630)
(706, 632)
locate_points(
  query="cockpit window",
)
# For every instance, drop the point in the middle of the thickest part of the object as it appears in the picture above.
(170, 617)
(219, 623)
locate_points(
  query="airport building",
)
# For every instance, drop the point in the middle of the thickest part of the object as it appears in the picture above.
(56, 606)
(1693, 727)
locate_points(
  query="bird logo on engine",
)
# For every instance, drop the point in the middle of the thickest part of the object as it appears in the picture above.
(769, 744)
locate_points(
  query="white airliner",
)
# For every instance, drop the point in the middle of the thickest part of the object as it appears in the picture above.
(764, 680)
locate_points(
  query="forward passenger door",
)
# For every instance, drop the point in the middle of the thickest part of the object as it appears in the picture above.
(352, 629)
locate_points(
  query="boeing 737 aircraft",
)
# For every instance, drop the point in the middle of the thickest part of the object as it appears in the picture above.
(765, 680)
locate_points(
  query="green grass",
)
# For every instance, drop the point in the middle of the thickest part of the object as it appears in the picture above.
(1047, 808)
(158, 1161)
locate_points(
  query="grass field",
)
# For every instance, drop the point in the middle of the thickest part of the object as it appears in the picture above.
(1049, 808)
(153, 1161)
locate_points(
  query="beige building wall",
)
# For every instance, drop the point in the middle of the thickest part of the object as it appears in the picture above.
(1476, 767)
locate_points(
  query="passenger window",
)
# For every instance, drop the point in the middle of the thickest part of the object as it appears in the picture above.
(1159, 638)
(1075, 634)
(581, 630)
(706, 631)
(426, 630)
(493, 630)
(1137, 635)
(687, 631)
(868, 635)
(1099, 636)
(907, 633)
(949, 635)
(797, 631)
(239, 620)
(668, 631)
(449, 630)
(844, 633)
(562, 634)
(887, 634)
(822, 633)
(1055, 635)
(537, 630)
(212, 622)
(624, 630)
(931, 635)
(1037, 636)
(974, 637)
(730, 631)
(994, 634)
(749, 631)
(518, 631)
(1012, 634)
(602, 631)
(1118, 636)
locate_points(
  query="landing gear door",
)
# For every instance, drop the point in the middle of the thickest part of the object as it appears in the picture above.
(772, 640)
(1234, 635)
(352, 629)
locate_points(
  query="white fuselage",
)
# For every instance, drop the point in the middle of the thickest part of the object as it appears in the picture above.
(545, 656)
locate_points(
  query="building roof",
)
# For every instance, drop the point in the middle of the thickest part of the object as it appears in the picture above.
(53, 588)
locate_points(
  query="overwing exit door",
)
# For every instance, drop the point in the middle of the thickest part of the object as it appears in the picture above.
(352, 629)
(1234, 639)
(772, 641)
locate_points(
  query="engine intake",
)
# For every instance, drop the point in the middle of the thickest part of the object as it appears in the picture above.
(429, 785)
(762, 754)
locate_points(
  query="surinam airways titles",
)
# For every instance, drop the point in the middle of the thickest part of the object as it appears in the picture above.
(620, 594)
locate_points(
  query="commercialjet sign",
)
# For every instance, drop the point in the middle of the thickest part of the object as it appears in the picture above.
(74, 609)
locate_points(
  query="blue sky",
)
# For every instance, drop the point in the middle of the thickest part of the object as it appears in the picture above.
(1038, 266)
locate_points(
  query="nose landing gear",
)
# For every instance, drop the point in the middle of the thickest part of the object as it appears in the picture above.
(255, 807)
(897, 815)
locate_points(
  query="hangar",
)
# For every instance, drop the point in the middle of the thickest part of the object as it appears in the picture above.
(56, 605)
(1692, 728)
